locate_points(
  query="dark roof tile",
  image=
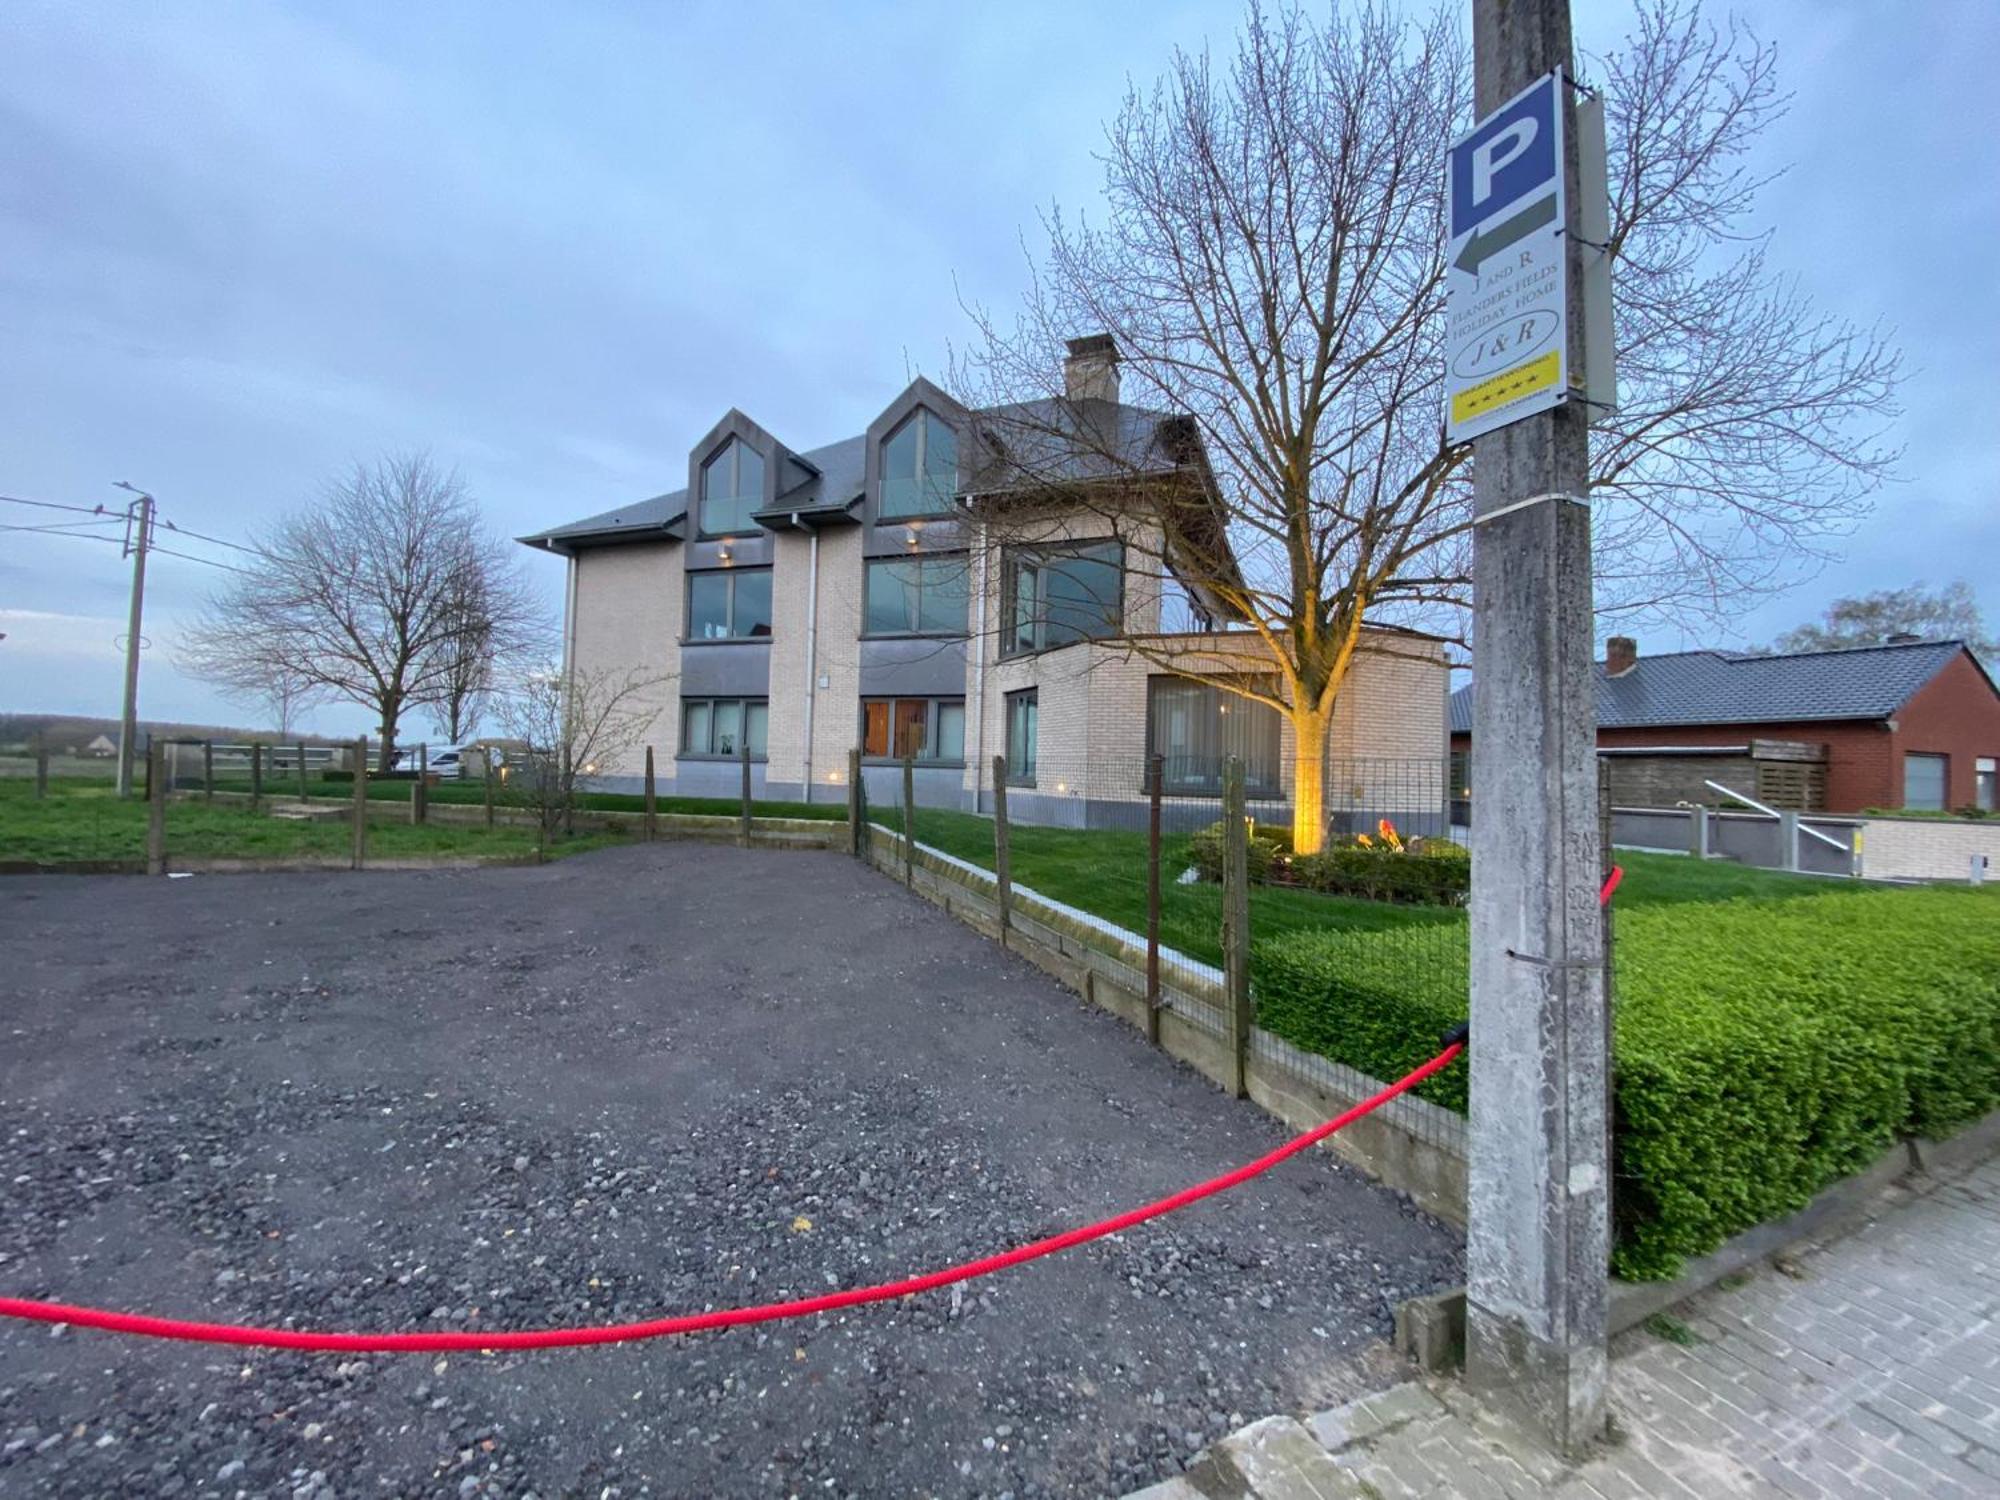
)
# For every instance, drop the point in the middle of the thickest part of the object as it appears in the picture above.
(1723, 687)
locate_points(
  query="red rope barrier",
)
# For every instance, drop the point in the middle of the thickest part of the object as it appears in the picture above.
(552, 1338)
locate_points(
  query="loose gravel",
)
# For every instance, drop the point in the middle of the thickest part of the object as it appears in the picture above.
(649, 1080)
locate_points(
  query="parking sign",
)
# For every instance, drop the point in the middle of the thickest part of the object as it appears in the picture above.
(1506, 287)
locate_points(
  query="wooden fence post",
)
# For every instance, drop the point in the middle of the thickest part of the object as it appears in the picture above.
(652, 800)
(743, 816)
(486, 764)
(1003, 865)
(156, 809)
(208, 770)
(256, 777)
(303, 793)
(857, 807)
(42, 770)
(1236, 924)
(1155, 775)
(420, 794)
(360, 802)
(909, 820)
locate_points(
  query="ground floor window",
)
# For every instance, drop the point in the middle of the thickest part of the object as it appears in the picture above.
(1924, 782)
(1195, 726)
(719, 726)
(1985, 790)
(925, 729)
(1023, 722)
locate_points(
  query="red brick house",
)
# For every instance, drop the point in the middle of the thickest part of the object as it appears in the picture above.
(1912, 724)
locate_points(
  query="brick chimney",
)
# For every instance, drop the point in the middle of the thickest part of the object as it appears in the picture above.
(1621, 655)
(1091, 371)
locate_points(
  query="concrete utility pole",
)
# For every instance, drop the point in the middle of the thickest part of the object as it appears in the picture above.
(1538, 1234)
(138, 539)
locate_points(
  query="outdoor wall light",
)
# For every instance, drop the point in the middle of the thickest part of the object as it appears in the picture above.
(910, 537)
(723, 552)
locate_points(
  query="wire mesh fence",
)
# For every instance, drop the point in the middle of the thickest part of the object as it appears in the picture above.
(1132, 857)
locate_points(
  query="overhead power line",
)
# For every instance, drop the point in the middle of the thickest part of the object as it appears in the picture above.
(82, 510)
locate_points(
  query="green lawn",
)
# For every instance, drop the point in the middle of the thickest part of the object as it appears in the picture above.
(85, 820)
(1104, 872)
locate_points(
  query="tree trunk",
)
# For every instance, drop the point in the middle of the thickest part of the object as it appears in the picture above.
(1308, 780)
(391, 712)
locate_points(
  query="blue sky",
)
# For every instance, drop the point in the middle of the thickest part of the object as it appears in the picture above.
(242, 246)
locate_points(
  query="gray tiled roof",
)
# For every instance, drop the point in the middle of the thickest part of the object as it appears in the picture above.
(1721, 687)
(836, 486)
(1031, 430)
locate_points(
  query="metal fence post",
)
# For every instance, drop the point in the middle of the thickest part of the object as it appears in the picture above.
(208, 770)
(1155, 774)
(1788, 839)
(1003, 869)
(743, 816)
(1236, 923)
(42, 770)
(857, 806)
(420, 797)
(652, 800)
(360, 803)
(256, 777)
(909, 820)
(156, 809)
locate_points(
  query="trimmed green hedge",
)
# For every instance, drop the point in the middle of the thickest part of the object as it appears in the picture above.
(1765, 1049)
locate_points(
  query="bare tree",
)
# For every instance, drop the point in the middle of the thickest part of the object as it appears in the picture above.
(1948, 613)
(1269, 262)
(575, 725)
(483, 648)
(375, 593)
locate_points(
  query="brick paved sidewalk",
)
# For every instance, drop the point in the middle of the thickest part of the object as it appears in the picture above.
(1867, 1366)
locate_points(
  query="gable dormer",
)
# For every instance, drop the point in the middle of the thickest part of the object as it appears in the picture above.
(913, 457)
(733, 473)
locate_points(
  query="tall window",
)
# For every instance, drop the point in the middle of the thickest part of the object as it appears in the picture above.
(917, 595)
(1986, 788)
(1924, 782)
(1023, 721)
(729, 604)
(1195, 726)
(732, 486)
(718, 726)
(919, 467)
(930, 729)
(1052, 596)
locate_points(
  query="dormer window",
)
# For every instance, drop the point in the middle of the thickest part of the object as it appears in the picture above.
(732, 487)
(919, 467)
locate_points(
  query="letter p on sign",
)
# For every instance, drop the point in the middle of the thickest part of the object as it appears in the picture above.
(1507, 161)
(1495, 152)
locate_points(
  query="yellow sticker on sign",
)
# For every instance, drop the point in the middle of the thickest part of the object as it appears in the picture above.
(1507, 387)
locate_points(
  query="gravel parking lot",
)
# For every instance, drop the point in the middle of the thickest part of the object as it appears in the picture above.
(649, 1080)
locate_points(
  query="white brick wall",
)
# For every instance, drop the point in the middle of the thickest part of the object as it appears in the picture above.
(628, 618)
(1092, 696)
(1927, 849)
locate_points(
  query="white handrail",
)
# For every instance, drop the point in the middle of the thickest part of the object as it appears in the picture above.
(1772, 812)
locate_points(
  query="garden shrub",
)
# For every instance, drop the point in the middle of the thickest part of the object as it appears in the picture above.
(1423, 875)
(1765, 1049)
(1267, 842)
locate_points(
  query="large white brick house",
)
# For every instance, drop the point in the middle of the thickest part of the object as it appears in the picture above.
(875, 592)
